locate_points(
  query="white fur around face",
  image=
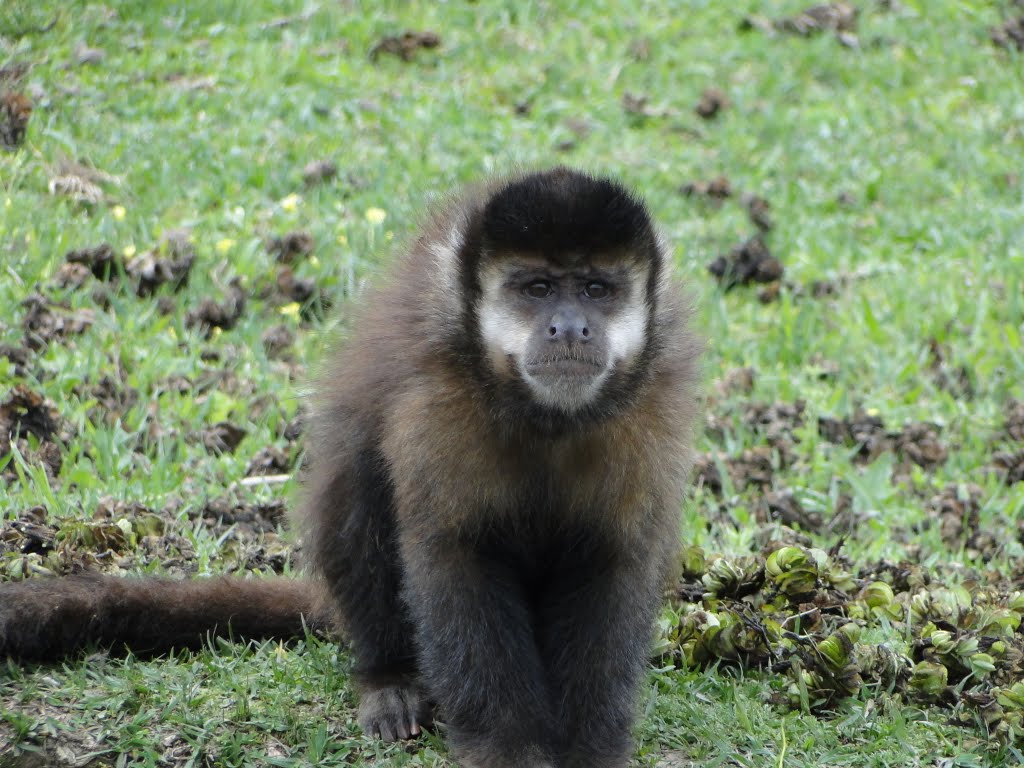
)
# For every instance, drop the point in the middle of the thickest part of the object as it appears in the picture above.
(506, 340)
(565, 395)
(504, 333)
(628, 332)
(446, 260)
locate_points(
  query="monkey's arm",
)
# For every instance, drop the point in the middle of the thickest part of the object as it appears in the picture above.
(48, 619)
(479, 656)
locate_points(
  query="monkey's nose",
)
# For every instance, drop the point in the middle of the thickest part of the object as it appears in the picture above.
(568, 325)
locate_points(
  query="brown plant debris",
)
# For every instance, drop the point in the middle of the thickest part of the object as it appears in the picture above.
(15, 111)
(78, 188)
(754, 468)
(955, 379)
(839, 18)
(1014, 420)
(13, 72)
(918, 442)
(712, 102)
(46, 320)
(289, 247)
(758, 210)
(168, 264)
(222, 437)
(1009, 465)
(318, 171)
(957, 509)
(405, 45)
(258, 518)
(774, 422)
(18, 357)
(300, 289)
(736, 381)
(222, 314)
(293, 429)
(640, 49)
(824, 17)
(749, 262)
(1009, 34)
(26, 412)
(269, 460)
(637, 104)
(718, 188)
(28, 534)
(72, 276)
(249, 532)
(277, 340)
(784, 507)
(113, 398)
(100, 260)
(80, 181)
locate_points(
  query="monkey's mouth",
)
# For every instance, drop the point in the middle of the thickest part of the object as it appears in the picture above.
(562, 367)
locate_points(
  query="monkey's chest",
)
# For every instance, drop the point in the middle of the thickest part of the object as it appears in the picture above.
(537, 551)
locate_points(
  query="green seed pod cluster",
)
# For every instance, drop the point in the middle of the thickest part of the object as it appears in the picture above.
(928, 679)
(892, 629)
(730, 577)
(1010, 703)
(792, 571)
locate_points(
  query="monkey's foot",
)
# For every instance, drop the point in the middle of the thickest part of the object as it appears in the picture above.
(393, 712)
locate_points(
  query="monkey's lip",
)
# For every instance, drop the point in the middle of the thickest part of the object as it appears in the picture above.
(560, 367)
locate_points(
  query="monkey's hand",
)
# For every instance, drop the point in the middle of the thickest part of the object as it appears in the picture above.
(393, 712)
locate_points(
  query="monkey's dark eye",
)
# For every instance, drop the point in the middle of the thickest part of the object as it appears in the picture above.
(538, 289)
(597, 290)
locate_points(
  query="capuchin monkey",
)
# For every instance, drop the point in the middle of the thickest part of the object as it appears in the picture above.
(496, 468)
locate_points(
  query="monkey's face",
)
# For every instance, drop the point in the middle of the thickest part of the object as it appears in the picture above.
(562, 330)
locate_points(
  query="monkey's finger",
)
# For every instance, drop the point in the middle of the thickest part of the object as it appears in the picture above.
(387, 731)
(414, 728)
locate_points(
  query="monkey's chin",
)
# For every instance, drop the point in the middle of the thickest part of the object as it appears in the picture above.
(564, 386)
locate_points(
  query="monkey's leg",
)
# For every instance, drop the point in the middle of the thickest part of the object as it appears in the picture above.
(47, 619)
(357, 559)
(478, 656)
(595, 639)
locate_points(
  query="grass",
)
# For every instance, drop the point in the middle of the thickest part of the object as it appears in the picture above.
(892, 170)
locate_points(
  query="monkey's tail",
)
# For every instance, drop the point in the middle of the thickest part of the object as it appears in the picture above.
(48, 619)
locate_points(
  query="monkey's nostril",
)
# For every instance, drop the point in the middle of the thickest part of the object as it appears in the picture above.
(585, 332)
(552, 331)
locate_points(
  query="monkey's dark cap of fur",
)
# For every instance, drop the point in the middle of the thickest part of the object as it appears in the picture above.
(562, 211)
